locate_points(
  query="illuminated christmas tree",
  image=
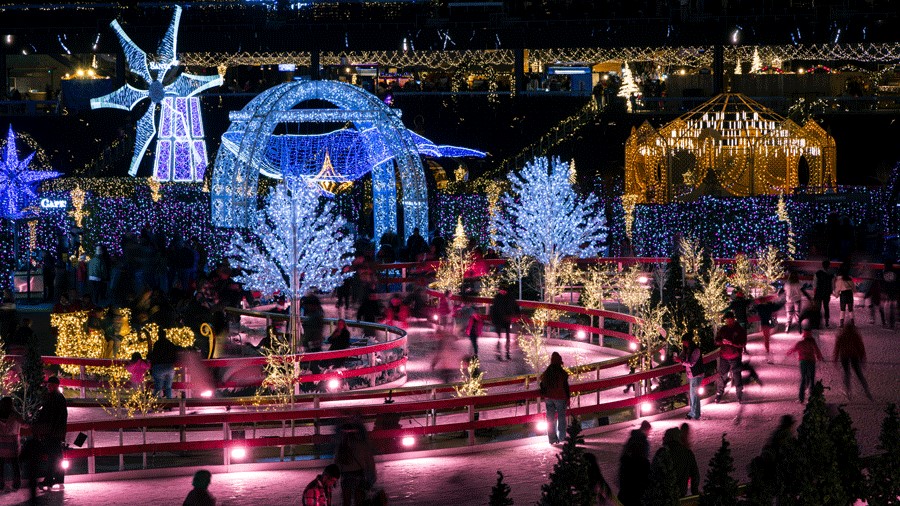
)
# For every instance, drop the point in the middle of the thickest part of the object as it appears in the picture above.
(756, 63)
(544, 218)
(451, 272)
(297, 244)
(628, 87)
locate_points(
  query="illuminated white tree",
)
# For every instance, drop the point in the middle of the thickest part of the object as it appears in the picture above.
(737, 68)
(628, 87)
(756, 63)
(544, 218)
(297, 243)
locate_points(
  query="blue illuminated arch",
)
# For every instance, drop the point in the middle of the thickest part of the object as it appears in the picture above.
(246, 151)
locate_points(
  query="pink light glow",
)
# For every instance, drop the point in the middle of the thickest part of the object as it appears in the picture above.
(632, 346)
(581, 334)
(701, 390)
(409, 441)
(238, 453)
(334, 384)
(541, 426)
(65, 464)
(206, 394)
(646, 407)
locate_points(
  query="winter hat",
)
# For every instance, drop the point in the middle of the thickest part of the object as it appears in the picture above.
(556, 358)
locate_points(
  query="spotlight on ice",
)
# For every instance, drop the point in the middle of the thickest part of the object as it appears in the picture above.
(581, 334)
(542, 426)
(701, 390)
(334, 384)
(65, 464)
(408, 441)
(238, 452)
(206, 394)
(632, 346)
(646, 407)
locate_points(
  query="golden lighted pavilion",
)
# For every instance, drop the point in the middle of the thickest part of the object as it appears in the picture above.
(728, 146)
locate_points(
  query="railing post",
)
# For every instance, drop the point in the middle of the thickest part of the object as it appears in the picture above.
(121, 457)
(471, 408)
(598, 390)
(527, 400)
(187, 380)
(433, 413)
(373, 375)
(92, 461)
(226, 436)
(81, 376)
(182, 409)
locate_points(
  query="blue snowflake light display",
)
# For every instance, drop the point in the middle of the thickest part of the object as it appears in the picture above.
(544, 218)
(17, 184)
(181, 148)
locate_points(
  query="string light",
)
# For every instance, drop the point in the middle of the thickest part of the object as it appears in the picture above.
(17, 183)
(749, 149)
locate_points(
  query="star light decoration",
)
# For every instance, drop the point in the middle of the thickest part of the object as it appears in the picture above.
(180, 149)
(16, 182)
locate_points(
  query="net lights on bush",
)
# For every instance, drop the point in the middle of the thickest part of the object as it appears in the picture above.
(181, 147)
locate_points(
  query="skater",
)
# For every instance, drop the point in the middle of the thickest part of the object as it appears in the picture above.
(199, 495)
(850, 350)
(808, 353)
(822, 291)
(692, 359)
(765, 310)
(318, 492)
(503, 310)
(555, 391)
(793, 297)
(732, 338)
(844, 288)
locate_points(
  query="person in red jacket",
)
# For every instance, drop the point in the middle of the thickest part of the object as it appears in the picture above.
(850, 350)
(731, 339)
(808, 352)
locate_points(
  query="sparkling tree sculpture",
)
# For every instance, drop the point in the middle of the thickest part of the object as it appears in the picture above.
(297, 243)
(628, 86)
(756, 63)
(543, 217)
(181, 148)
(451, 271)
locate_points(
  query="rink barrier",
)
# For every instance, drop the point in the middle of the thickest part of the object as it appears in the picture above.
(393, 338)
(434, 417)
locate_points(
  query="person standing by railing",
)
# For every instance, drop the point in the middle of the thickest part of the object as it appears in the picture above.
(692, 360)
(50, 429)
(555, 390)
(10, 428)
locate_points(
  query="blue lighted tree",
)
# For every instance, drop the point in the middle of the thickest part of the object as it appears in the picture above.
(16, 182)
(181, 150)
(296, 243)
(544, 218)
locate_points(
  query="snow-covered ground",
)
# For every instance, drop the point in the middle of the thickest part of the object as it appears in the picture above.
(467, 478)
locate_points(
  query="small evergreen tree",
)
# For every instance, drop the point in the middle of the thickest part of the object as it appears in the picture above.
(843, 435)
(817, 473)
(27, 398)
(569, 482)
(720, 489)
(662, 485)
(884, 473)
(500, 492)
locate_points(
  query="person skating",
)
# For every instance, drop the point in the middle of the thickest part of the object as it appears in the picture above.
(844, 288)
(822, 292)
(808, 353)
(503, 310)
(731, 338)
(692, 359)
(851, 352)
(555, 390)
(199, 495)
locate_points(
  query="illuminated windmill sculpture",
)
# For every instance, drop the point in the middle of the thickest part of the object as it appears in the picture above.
(180, 148)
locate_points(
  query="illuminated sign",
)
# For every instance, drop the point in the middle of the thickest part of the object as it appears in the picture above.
(53, 204)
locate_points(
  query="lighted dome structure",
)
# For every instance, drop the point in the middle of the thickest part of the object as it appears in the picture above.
(728, 146)
(368, 137)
